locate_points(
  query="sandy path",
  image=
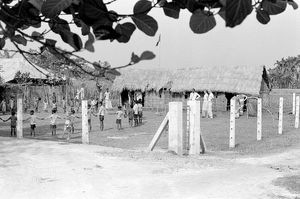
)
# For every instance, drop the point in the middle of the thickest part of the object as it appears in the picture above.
(43, 169)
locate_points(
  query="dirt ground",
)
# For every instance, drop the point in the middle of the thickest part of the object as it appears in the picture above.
(34, 169)
(214, 131)
(48, 167)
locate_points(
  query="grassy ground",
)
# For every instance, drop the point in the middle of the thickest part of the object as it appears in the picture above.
(215, 133)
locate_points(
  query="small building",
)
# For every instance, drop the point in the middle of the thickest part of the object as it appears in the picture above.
(161, 86)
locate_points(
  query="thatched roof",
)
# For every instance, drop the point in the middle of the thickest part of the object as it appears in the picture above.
(232, 79)
(9, 68)
(137, 79)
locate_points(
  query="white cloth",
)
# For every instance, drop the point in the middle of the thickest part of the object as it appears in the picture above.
(205, 105)
(32, 119)
(53, 118)
(194, 96)
(101, 111)
(209, 110)
(136, 109)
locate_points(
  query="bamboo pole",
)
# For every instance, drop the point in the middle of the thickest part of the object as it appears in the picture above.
(280, 115)
(232, 123)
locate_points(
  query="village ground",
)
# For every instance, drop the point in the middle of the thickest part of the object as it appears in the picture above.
(48, 167)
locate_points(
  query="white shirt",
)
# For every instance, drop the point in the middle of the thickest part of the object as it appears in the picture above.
(136, 109)
(53, 118)
(205, 97)
(101, 110)
(210, 97)
(194, 96)
(106, 95)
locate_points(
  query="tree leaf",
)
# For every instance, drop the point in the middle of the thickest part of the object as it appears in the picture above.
(51, 42)
(85, 29)
(236, 11)
(37, 35)
(92, 11)
(146, 24)
(171, 10)
(147, 55)
(52, 8)
(134, 58)
(142, 7)
(57, 25)
(89, 43)
(37, 3)
(293, 4)
(262, 16)
(201, 22)
(20, 40)
(125, 30)
(193, 5)
(274, 7)
(2, 43)
(72, 39)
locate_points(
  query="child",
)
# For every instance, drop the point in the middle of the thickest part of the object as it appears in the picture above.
(3, 107)
(32, 119)
(140, 111)
(93, 104)
(45, 105)
(101, 114)
(130, 116)
(64, 104)
(13, 123)
(69, 124)
(53, 117)
(89, 114)
(136, 114)
(119, 113)
(54, 106)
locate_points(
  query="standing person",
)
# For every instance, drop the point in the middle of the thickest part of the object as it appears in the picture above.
(45, 104)
(26, 105)
(3, 106)
(93, 104)
(130, 115)
(11, 104)
(194, 95)
(101, 113)
(205, 104)
(53, 117)
(32, 120)
(209, 110)
(64, 104)
(119, 113)
(136, 114)
(107, 99)
(140, 111)
(13, 123)
(54, 105)
(89, 114)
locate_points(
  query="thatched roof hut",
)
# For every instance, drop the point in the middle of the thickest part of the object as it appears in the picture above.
(230, 79)
(144, 80)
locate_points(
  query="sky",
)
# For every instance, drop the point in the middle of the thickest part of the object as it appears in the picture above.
(250, 44)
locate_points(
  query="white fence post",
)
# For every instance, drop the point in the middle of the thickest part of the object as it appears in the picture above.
(294, 103)
(280, 115)
(195, 132)
(20, 117)
(259, 118)
(175, 127)
(232, 123)
(297, 113)
(85, 125)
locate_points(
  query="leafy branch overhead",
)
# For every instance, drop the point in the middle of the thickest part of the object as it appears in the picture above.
(96, 22)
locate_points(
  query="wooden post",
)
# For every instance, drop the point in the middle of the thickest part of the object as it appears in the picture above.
(280, 115)
(20, 117)
(85, 125)
(158, 133)
(175, 127)
(294, 103)
(232, 123)
(297, 113)
(188, 127)
(259, 119)
(194, 127)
